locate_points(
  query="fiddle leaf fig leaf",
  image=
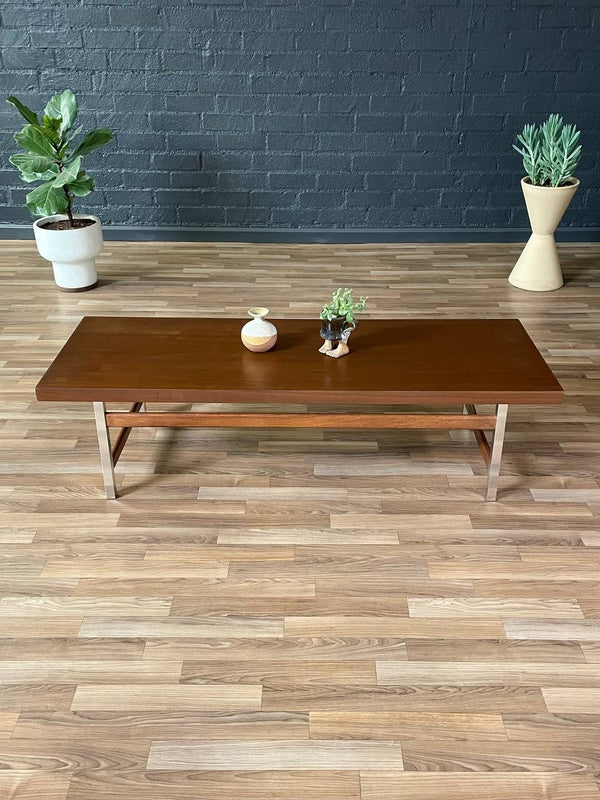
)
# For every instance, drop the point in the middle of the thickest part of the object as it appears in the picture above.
(46, 200)
(33, 139)
(68, 141)
(23, 110)
(31, 177)
(69, 173)
(92, 141)
(63, 107)
(34, 168)
(82, 186)
(29, 162)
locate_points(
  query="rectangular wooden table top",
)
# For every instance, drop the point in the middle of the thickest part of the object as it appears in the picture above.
(392, 361)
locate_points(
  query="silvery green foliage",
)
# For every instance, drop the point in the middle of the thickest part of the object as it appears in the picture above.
(550, 151)
(51, 156)
(343, 305)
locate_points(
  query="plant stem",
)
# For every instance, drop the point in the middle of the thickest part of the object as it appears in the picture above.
(69, 201)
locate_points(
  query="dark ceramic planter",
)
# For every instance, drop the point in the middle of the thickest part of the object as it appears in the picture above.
(333, 330)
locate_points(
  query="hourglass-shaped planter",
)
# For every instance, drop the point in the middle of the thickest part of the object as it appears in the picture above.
(538, 267)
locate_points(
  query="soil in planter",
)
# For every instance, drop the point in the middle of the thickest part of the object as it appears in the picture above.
(63, 224)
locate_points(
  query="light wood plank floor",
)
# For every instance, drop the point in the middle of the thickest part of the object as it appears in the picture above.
(299, 614)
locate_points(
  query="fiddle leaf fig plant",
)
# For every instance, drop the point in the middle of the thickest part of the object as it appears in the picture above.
(550, 151)
(53, 157)
(342, 304)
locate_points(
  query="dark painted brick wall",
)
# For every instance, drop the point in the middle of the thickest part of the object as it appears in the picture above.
(291, 113)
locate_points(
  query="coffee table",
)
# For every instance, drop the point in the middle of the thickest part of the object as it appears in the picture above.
(435, 362)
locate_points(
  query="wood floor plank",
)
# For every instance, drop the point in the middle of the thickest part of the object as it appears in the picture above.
(427, 756)
(220, 785)
(182, 627)
(25, 784)
(374, 585)
(376, 605)
(89, 671)
(117, 568)
(509, 650)
(65, 647)
(218, 552)
(573, 700)
(196, 587)
(299, 648)
(456, 628)
(35, 696)
(513, 570)
(484, 673)
(402, 725)
(258, 756)
(585, 630)
(80, 607)
(400, 521)
(493, 607)
(463, 699)
(159, 697)
(498, 785)
(560, 727)
(40, 626)
(281, 536)
(149, 725)
(282, 673)
(546, 589)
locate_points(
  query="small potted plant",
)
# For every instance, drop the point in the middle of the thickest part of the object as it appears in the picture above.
(51, 155)
(339, 321)
(551, 152)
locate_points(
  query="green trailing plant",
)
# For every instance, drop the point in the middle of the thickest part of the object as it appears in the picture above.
(342, 304)
(551, 151)
(52, 155)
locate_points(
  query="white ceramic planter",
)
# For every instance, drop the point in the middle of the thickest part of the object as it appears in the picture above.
(259, 335)
(538, 268)
(72, 252)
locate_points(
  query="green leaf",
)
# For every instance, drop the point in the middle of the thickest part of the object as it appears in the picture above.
(23, 110)
(46, 200)
(28, 162)
(82, 186)
(32, 139)
(68, 140)
(51, 129)
(92, 141)
(69, 173)
(34, 168)
(32, 177)
(62, 106)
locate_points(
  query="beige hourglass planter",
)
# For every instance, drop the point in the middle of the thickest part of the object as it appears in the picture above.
(538, 267)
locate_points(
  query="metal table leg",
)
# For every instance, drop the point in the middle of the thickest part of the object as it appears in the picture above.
(496, 456)
(106, 458)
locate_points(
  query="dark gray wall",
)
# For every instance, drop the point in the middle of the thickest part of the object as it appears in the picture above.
(319, 113)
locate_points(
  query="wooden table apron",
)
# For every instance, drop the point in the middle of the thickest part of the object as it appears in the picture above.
(393, 362)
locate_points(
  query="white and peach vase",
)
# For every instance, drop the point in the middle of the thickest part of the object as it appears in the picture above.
(259, 335)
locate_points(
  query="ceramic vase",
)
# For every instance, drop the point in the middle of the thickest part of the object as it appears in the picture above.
(538, 267)
(72, 252)
(259, 335)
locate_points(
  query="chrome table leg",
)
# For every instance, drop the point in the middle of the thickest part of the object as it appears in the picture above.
(106, 459)
(496, 455)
